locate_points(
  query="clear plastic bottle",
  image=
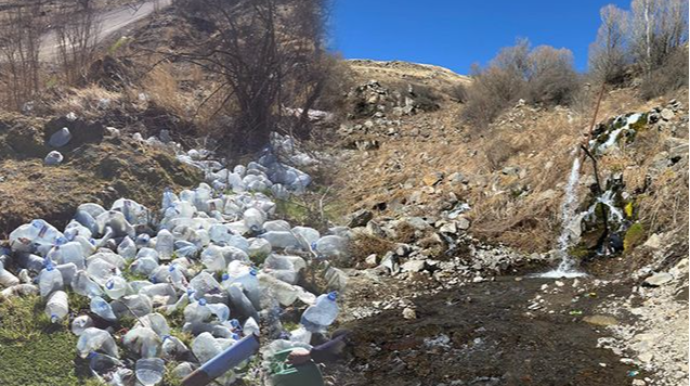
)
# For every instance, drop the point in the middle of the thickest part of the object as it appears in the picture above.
(127, 248)
(50, 280)
(254, 219)
(149, 371)
(205, 347)
(57, 306)
(81, 323)
(322, 314)
(165, 245)
(116, 287)
(173, 348)
(7, 279)
(281, 239)
(83, 285)
(101, 308)
(197, 312)
(95, 339)
(331, 247)
(220, 310)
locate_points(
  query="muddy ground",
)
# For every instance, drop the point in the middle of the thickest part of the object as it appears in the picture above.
(488, 333)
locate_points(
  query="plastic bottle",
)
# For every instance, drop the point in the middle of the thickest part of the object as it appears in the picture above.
(321, 314)
(254, 219)
(247, 278)
(240, 302)
(156, 322)
(68, 272)
(142, 340)
(281, 239)
(101, 271)
(149, 371)
(84, 286)
(70, 252)
(250, 327)
(102, 364)
(177, 277)
(330, 247)
(94, 339)
(116, 287)
(173, 348)
(50, 281)
(205, 347)
(101, 308)
(7, 279)
(220, 310)
(57, 306)
(197, 312)
(127, 248)
(81, 323)
(165, 244)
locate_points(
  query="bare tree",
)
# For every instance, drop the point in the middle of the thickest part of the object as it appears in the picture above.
(608, 54)
(269, 55)
(21, 28)
(658, 28)
(76, 29)
(551, 78)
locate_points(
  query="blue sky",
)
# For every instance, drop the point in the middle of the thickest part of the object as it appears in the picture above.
(455, 33)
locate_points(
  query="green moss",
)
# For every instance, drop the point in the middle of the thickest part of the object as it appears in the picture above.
(641, 124)
(290, 210)
(634, 236)
(579, 251)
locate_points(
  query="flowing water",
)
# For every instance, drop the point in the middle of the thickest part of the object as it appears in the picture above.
(566, 268)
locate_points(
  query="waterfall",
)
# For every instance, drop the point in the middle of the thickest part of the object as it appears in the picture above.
(566, 266)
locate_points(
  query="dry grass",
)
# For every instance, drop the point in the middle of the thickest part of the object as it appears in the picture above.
(90, 101)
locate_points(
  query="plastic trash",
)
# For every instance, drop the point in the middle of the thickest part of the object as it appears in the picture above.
(205, 347)
(101, 271)
(281, 239)
(50, 281)
(331, 247)
(220, 310)
(68, 272)
(322, 314)
(94, 339)
(57, 306)
(149, 371)
(84, 286)
(173, 348)
(127, 248)
(60, 138)
(240, 302)
(133, 306)
(53, 158)
(101, 308)
(102, 364)
(165, 244)
(197, 312)
(81, 323)
(7, 279)
(116, 287)
(71, 252)
(144, 341)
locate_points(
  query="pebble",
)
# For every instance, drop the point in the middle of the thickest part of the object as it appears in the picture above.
(409, 313)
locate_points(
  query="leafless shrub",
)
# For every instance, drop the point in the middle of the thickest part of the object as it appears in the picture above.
(20, 30)
(269, 54)
(670, 76)
(543, 75)
(76, 33)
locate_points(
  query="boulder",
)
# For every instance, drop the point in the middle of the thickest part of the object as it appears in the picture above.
(667, 114)
(658, 279)
(413, 266)
(360, 218)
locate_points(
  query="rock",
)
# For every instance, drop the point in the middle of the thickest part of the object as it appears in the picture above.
(360, 218)
(457, 178)
(413, 266)
(113, 132)
(449, 227)
(403, 249)
(638, 382)
(409, 314)
(511, 171)
(53, 158)
(658, 279)
(433, 178)
(667, 114)
(60, 138)
(654, 241)
(370, 261)
(646, 357)
(164, 136)
(462, 223)
(601, 320)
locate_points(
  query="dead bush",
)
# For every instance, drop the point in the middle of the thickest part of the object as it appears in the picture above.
(363, 246)
(543, 75)
(670, 76)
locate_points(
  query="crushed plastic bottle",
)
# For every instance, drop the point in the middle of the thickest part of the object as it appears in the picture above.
(322, 314)
(94, 339)
(101, 308)
(81, 323)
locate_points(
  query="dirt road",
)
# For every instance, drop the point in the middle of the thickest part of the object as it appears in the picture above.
(109, 23)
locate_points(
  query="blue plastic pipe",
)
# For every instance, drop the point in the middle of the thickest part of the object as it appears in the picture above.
(223, 362)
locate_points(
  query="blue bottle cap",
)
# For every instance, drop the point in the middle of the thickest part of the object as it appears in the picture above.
(171, 268)
(333, 295)
(225, 277)
(110, 284)
(235, 336)
(253, 272)
(235, 323)
(202, 302)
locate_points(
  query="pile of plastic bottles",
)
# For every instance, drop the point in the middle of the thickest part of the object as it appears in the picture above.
(214, 256)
